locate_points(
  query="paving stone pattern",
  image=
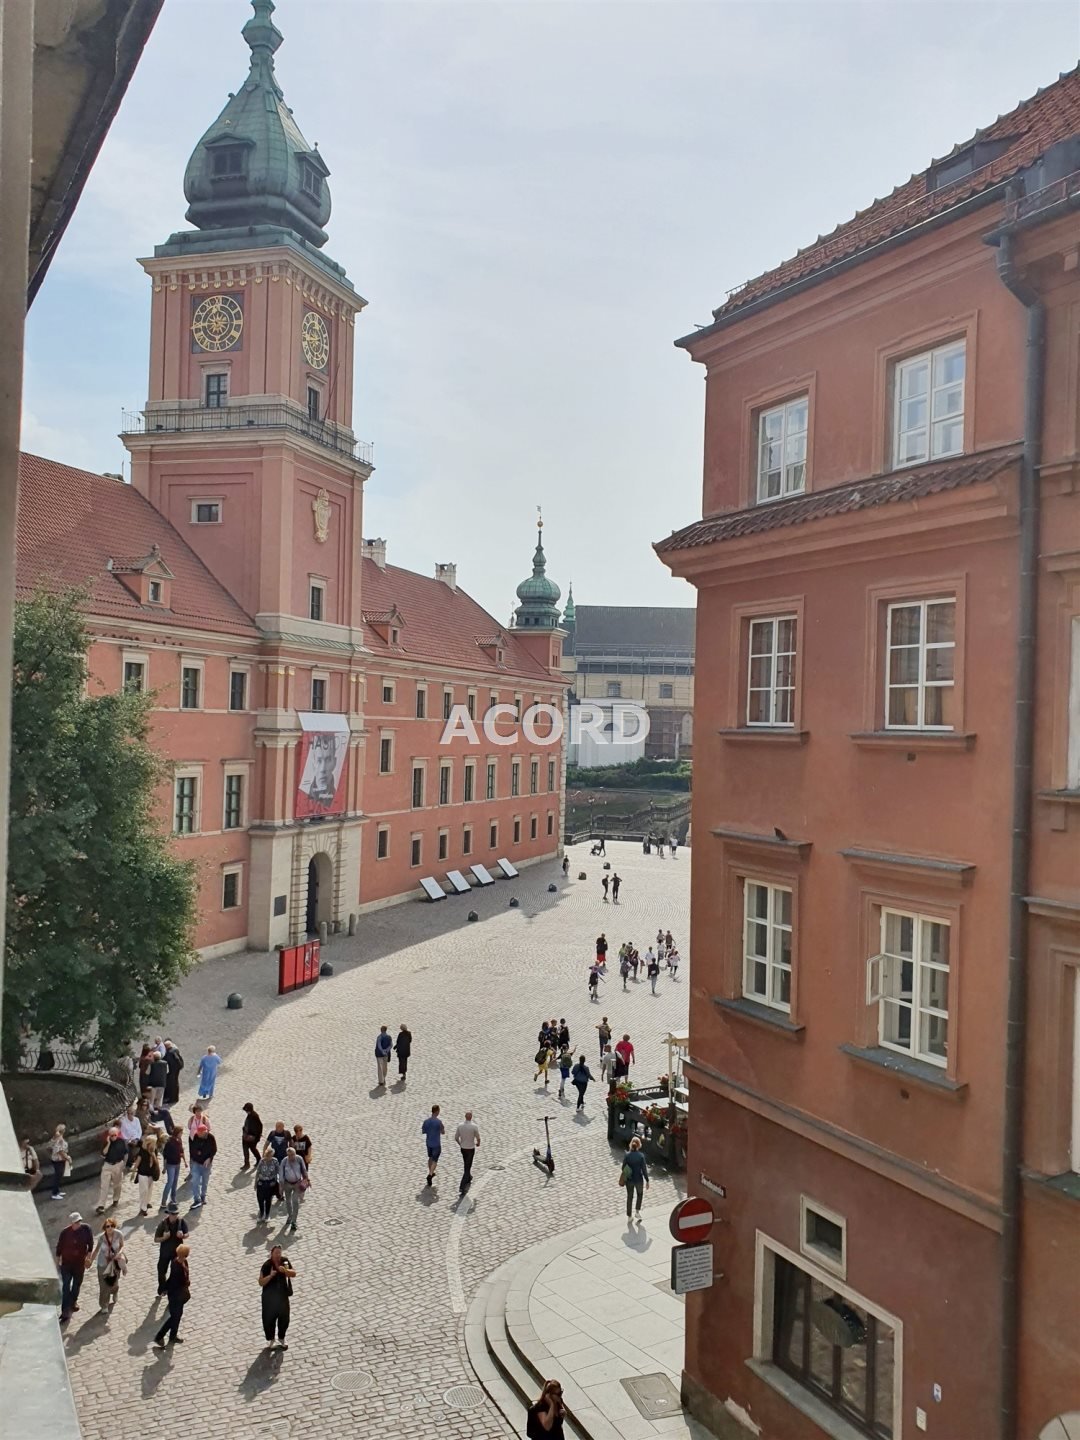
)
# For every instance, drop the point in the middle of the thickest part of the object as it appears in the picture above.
(385, 1265)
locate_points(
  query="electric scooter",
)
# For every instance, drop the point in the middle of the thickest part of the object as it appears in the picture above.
(547, 1160)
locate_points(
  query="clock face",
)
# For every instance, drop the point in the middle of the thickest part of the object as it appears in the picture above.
(217, 323)
(315, 339)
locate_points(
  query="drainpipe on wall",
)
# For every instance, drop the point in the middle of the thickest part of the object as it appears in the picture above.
(1023, 751)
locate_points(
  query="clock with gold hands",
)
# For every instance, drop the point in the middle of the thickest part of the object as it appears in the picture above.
(218, 323)
(315, 340)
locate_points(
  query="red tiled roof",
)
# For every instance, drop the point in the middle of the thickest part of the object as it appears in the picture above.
(72, 523)
(909, 484)
(1051, 114)
(438, 624)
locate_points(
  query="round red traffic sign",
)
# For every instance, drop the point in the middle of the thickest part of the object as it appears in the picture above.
(691, 1221)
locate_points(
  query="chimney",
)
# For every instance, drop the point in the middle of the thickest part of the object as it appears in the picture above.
(447, 574)
(374, 550)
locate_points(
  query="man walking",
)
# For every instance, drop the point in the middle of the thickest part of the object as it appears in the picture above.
(403, 1047)
(208, 1068)
(112, 1171)
(624, 970)
(169, 1235)
(595, 977)
(581, 1076)
(625, 1051)
(615, 883)
(251, 1135)
(383, 1048)
(178, 1290)
(607, 1067)
(653, 972)
(604, 1032)
(467, 1136)
(293, 1176)
(434, 1130)
(73, 1247)
(201, 1152)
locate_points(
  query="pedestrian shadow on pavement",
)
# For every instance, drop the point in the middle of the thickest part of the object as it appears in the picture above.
(154, 1373)
(263, 1372)
(241, 1182)
(581, 1118)
(637, 1239)
(427, 1194)
(139, 1340)
(257, 1238)
(90, 1330)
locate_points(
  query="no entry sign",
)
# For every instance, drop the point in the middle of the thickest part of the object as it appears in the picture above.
(691, 1221)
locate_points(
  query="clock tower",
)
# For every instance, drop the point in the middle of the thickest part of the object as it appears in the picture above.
(246, 446)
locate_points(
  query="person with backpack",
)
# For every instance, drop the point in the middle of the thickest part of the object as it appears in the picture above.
(543, 1060)
(169, 1236)
(545, 1418)
(384, 1047)
(275, 1280)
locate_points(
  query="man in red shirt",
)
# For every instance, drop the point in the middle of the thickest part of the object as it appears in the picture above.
(73, 1247)
(625, 1051)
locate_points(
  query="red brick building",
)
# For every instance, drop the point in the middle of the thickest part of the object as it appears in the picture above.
(299, 682)
(885, 1017)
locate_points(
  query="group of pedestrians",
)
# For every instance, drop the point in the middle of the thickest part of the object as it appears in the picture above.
(401, 1045)
(612, 882)
(657, 843)
(631, 961)
(466, 1137)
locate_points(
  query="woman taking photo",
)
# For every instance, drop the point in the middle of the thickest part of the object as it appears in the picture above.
(275, 1279)
(111, 1264)
(546, 1417)
(147, 1172)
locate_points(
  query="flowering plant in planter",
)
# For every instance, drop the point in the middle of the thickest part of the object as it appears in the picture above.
(654, 1115)
(621, 1095)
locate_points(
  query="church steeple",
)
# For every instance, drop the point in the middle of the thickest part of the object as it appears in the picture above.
(253, 166)
(539, 596)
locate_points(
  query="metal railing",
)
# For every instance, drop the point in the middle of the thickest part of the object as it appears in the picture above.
(204, 418)
(1057, 193)
(72, 1062)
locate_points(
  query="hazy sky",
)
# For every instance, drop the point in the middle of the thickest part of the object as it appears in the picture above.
(536, 198)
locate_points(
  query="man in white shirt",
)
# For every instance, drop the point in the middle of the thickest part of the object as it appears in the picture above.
(130, 1127)
(607, 1067)
(467, 1136)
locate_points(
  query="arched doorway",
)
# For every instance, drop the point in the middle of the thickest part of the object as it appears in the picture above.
(320, 892)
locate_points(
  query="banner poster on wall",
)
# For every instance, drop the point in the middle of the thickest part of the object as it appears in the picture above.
(324, 747)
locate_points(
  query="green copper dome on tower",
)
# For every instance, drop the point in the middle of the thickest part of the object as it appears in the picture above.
(539, 596)
(253, 166)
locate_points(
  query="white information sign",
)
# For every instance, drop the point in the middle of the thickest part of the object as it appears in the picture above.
(691, 1268)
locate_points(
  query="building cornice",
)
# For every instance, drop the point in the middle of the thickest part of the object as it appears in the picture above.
(235, 268)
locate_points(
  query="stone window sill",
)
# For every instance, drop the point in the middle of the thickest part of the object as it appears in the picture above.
(903, 1067)
(757, 1014)
(913, 739)
(764, 734)
(1062, 797)
(826, 1419)
(1067, 1185)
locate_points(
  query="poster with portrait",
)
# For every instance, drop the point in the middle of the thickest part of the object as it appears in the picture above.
(324, 747)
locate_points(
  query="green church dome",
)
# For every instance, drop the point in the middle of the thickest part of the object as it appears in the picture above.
(253, 166)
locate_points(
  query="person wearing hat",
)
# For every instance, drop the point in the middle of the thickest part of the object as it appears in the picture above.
(73, 1247)
(115, 1156)
(169, 1235)
(201, 1152)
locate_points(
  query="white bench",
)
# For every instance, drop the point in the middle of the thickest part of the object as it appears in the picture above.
(432, 889)
(458, 881)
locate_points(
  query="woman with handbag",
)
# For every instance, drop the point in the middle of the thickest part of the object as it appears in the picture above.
(60, 1156)
(266, 1181)
(275, 1280)
(147, 1172)
(111, 1264)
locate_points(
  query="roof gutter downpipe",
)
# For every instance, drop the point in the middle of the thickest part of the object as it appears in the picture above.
(1023, 752)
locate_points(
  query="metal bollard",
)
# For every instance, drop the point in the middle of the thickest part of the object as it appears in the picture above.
(324, 931)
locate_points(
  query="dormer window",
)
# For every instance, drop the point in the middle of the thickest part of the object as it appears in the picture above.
(395, 637)
(155, 592)
(966, 161)
(311, 180)
(228, 162)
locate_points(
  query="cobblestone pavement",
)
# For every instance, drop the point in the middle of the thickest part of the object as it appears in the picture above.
(385, 1265)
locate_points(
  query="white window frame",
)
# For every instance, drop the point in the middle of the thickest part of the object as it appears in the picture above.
(466, 840)
(421, 690)
(817, 1253)
(446, 769)
(534, 827)
(534, 775)
(775, 929)
(551, 822)
(793, 440)
(760, 626)
(246, 672)
(934, 394)
(468, 784)
(423, 786)
(238, 871)
(614, 690)
(470, 703)
(666, 690)
(516, 832)
(155, 592)
(447, 701)
(552, 776)
(381, 831)
(922, 683)
(384, 736)
(207, 500)
(493, 830)
(884, 977)
(200, 666)
(443, 849)
(240, 771)
(188, 772)
(320, 676)
(491, 779)
(515, 777)
(416, 847)
(315, 584)
(132, 657)
(392, 687)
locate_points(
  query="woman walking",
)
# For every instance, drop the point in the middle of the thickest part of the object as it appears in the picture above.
(60, 1156)
(581, 1077)
(172, 1152)
(266, 1181)
(634, 1176)
(294, 1181)
(403, 1049)
(147, 1172)
(178, 1290)
(111, 1264)
(275, 1279)
(543, 1060)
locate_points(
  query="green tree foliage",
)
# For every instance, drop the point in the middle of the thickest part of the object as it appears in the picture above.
(635, 775)
(100, 913)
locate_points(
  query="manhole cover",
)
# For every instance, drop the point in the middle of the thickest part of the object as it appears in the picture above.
(352, 1381)
(464, 1397)
(337, 1220)
(654, 1395)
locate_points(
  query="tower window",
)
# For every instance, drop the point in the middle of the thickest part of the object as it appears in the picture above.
(206, 512)
(228, 160)
(313, 401)
(311, 180)
(217, 391)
